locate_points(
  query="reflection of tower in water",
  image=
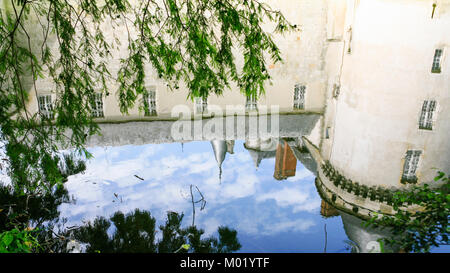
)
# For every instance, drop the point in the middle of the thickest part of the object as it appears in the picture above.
(221, 148)
(285, 162)
(260, 149)
(361, 239)
(366, 239)
(327, 210)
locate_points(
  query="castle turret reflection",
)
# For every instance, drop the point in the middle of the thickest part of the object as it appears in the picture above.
(366, 239)
(221, 148)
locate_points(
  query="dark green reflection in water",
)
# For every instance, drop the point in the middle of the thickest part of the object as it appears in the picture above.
(135, 233)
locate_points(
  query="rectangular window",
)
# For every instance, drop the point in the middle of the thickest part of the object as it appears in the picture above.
(201, 105)
(299, 96)
(150, 102)
(251, 104)
(410, 167)
(46, 106)
(436, 68)
(426, 116)
(327, 132)
(97, 106)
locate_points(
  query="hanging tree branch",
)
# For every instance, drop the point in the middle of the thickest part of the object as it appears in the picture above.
(185, 42)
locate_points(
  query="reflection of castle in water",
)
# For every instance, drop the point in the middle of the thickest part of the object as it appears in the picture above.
(367, 98)
(379, 88)
(259, 149)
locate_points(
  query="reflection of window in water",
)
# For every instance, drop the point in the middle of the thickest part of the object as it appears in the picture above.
(150, 102)
(426, 116)
(45, 105)
(97, 106)
(201, 105)
(251, 103)
(436, 68)
(410, 167)
(299, 96)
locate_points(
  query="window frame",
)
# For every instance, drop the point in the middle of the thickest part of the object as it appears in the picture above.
(98, 103)
(410, 166)
(45, 109)
(149, 99)
(427, 114)
(327, 132)
(299, 96)
(200, 105)
(436, 66)
(251, 103)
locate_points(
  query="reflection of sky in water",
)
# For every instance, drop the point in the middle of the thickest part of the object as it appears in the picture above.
(269, 215)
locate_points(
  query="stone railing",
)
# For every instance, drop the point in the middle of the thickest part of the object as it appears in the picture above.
(378, 194)
(361, 200)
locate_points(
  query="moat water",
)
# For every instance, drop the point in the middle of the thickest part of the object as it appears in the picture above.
(269, 215)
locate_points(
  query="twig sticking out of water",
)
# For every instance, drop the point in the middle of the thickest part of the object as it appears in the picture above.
(202, 200)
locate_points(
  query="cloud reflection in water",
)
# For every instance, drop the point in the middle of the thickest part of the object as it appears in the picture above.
(250, 200)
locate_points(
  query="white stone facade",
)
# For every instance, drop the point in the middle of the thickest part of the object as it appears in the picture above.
(366, 66)
(384, 81)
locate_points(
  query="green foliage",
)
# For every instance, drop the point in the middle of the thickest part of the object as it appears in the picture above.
(18, 241)
(135, 233)
(186, 42)
(18, 210)
(419, 231)
(62, 41)
(71, 165)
